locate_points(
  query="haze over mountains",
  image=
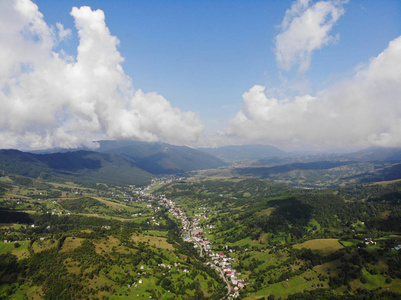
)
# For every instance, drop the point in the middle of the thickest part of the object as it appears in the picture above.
(161, 158)
(71, 166)
(245, 152)
(135, 162)
(328, 169)
(115, 162)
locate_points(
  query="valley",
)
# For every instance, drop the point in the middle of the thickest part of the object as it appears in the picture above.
(199, 235)
(200, 150)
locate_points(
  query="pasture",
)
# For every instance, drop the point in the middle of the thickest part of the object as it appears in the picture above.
(293, 285)
(322, 246)
(158, 242)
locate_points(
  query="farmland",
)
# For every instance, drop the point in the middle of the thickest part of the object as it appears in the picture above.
(114, 242)
(108, 243)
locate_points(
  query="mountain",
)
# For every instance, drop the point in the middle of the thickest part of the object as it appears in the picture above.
(377, 154)
(78, 165)
(373, 154)
(265, 172)
(245, 152)
(328, 169)
(161, 158)
(386, 173)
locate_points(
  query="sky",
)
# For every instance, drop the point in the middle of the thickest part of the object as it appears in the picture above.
(300, 75)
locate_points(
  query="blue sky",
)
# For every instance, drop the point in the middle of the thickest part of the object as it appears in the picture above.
(202, 56)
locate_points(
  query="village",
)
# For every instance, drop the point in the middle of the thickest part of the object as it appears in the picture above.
(193, 232)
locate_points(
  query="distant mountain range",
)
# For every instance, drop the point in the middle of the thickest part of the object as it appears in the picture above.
(115, 162)
(377, 154)
(365, 155)
(328, 169)
(244, 152)
(156, 157)
(161, 158)
(134, 162)
(71, 166)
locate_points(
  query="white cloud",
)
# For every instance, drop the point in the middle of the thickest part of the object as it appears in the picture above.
(62, 32)
(50, 99)
(359, 112)
(304, 29)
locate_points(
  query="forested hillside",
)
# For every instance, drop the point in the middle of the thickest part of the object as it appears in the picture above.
(70, 166)
(68, 241)
(324, 174)
(290, 240)
(161, 158)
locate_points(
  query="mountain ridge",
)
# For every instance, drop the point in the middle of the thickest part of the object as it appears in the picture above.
(245, 152)
(154, 157)
(161, 158)
(73, 165)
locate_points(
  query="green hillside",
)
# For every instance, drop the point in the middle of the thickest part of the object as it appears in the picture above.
(325, 173)
(98, 242)
(161, 158)
(78, 165)
(340, 243)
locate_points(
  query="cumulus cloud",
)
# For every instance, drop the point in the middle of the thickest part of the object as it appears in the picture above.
(304, 29)
(362, 111)
(63, 33)
(50, 99)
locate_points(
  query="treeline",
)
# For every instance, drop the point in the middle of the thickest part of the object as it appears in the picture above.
(11, 216)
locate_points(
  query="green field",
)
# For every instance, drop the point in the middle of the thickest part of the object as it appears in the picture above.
(20, 252)
(323, 246)
(293, 285)
(158, 242)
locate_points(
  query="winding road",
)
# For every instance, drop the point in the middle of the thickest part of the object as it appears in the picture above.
(203, 248)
